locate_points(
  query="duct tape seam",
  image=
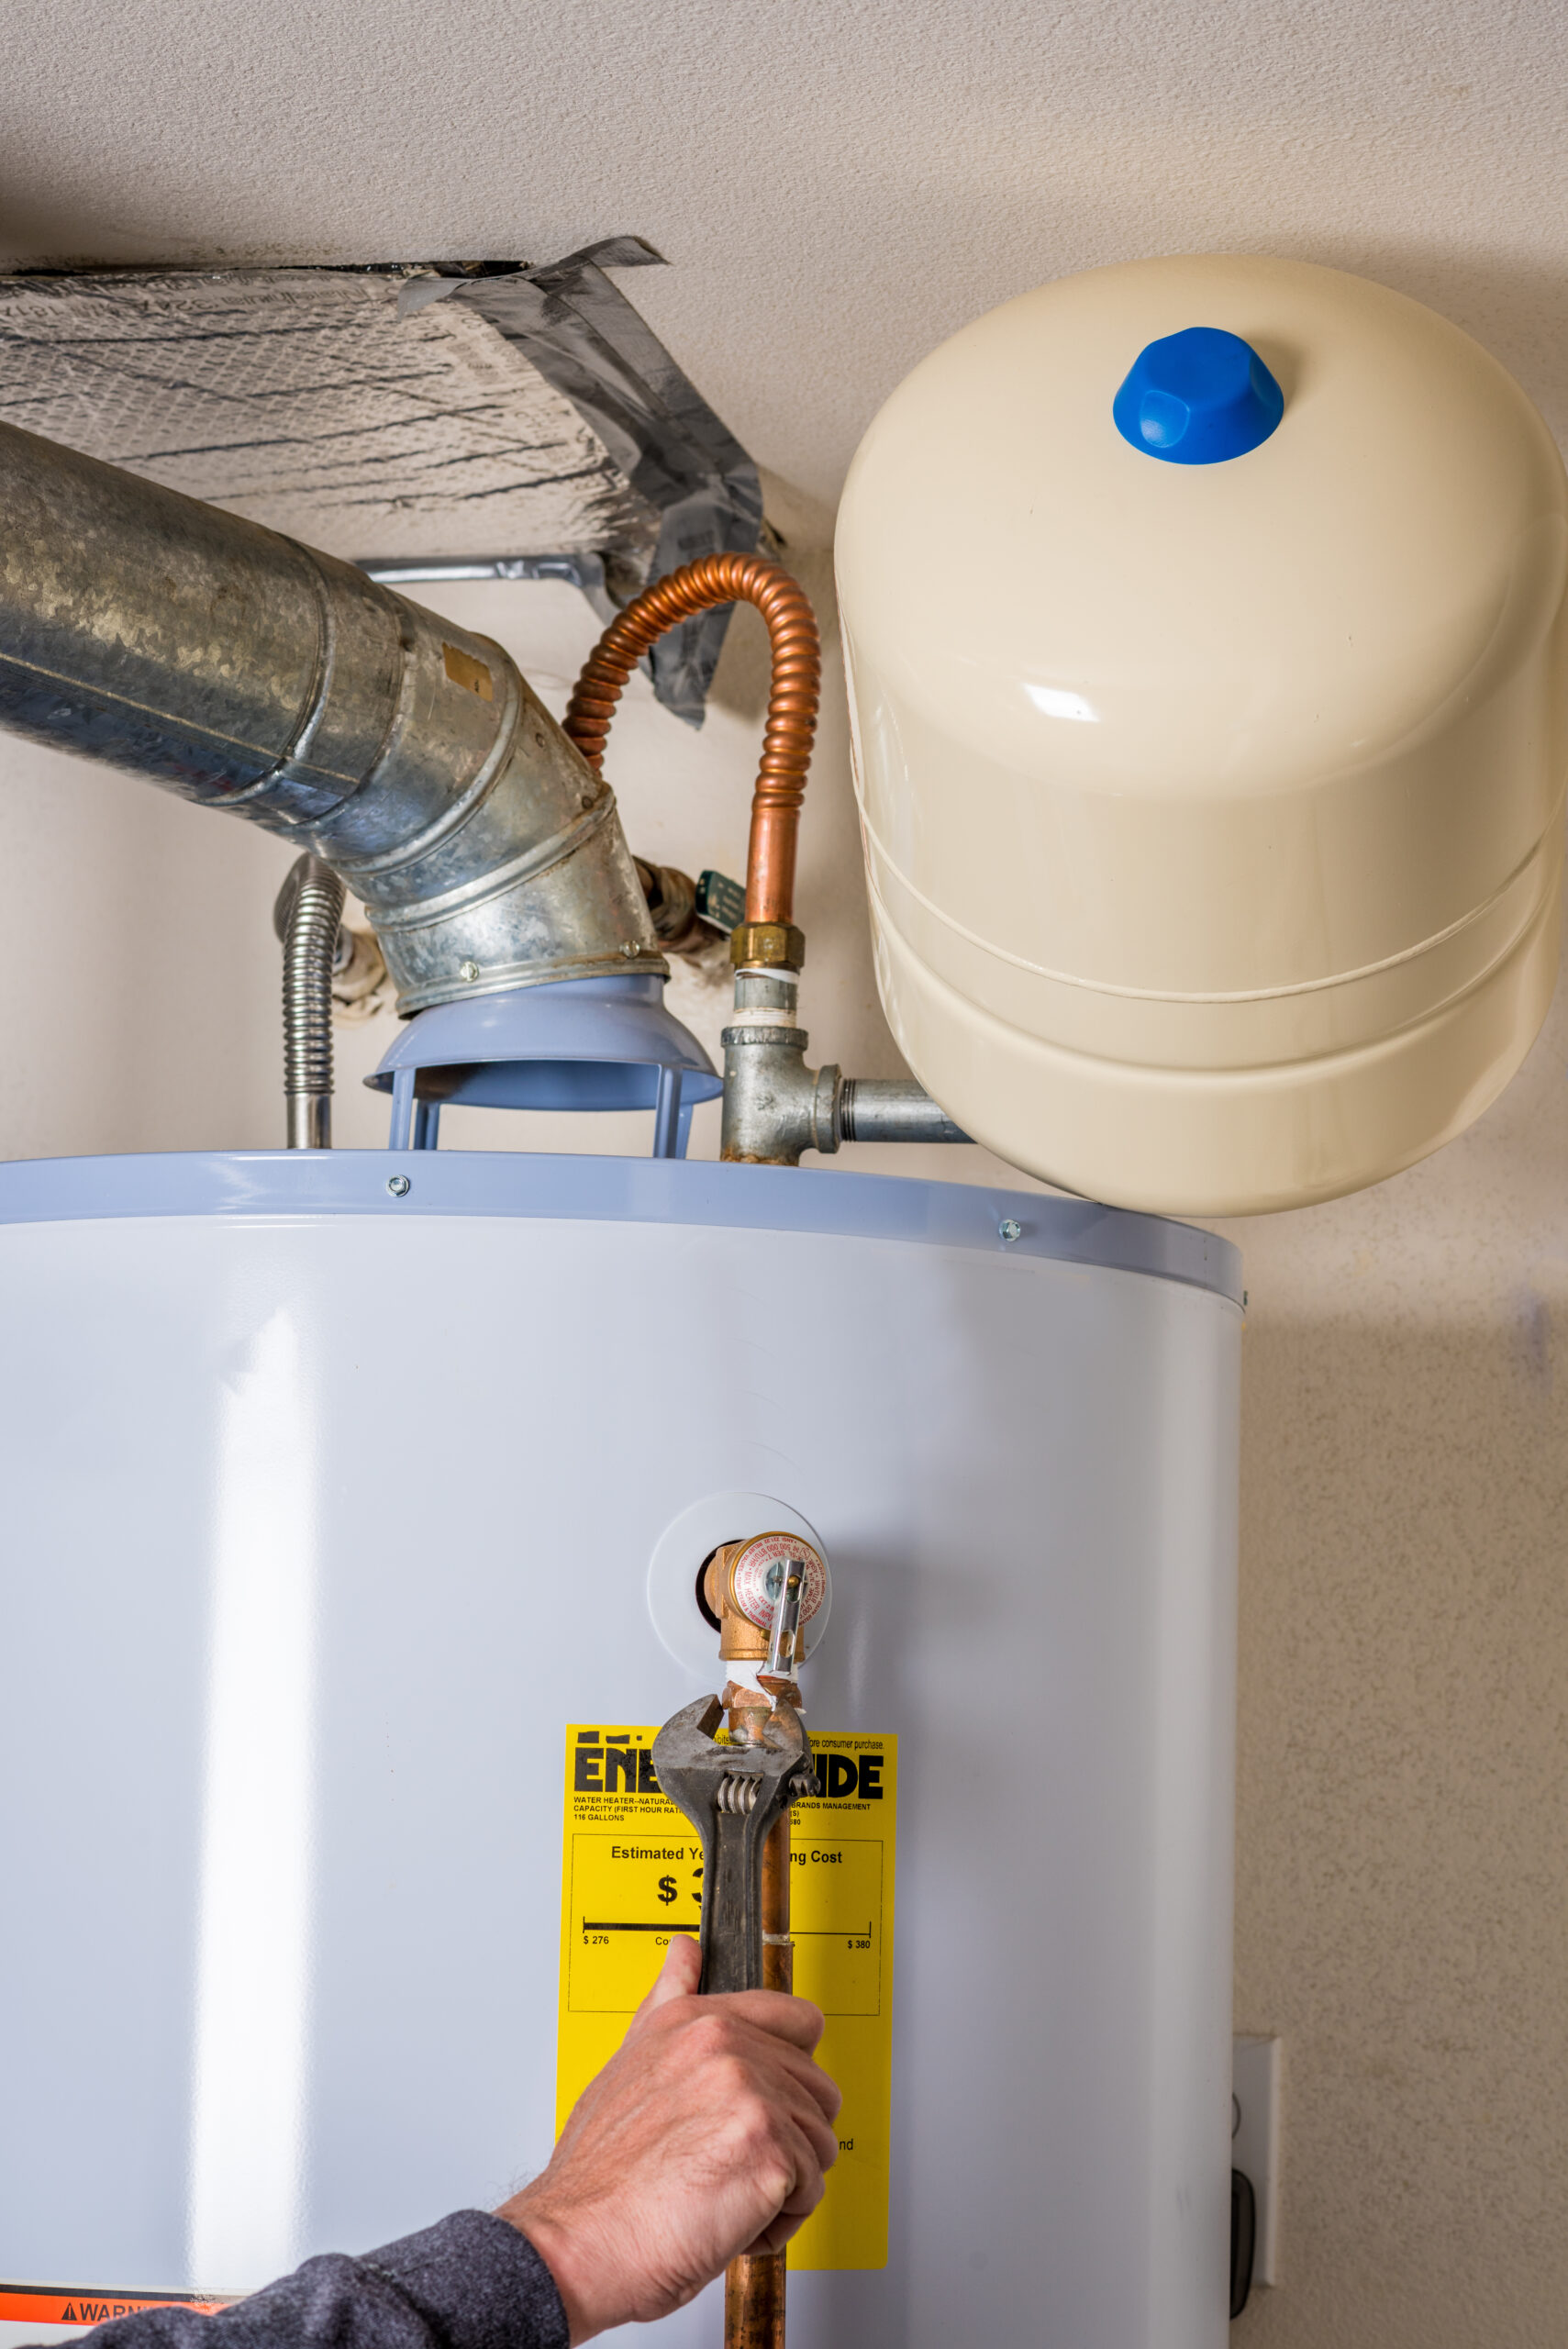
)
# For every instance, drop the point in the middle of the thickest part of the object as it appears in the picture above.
(532, 425)
(593, 347)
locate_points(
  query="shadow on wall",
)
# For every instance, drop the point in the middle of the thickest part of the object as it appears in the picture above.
(1518, 312)
(59, 234)
(1403, 1817)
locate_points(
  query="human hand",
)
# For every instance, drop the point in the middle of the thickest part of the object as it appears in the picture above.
(705, 2135)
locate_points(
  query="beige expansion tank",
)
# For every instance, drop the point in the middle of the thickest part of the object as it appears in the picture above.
(1210, 752)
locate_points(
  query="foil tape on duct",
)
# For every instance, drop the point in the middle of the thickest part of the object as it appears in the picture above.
(515, 421)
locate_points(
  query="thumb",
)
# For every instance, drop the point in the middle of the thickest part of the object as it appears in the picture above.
(677, 1976)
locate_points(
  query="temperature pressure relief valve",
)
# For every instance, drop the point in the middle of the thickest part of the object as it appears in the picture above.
(763, 1594)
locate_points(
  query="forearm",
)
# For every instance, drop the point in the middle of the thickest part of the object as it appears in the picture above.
(471, 2282)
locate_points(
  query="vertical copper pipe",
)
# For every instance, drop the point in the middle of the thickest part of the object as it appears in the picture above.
(792, 699)
(778, 1952)
(754, 2301)
(754, 2284)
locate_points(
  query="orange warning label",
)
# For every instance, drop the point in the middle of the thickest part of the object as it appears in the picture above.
(64, 2304)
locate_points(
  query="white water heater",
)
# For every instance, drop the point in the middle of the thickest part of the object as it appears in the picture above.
(1206, 625)
(1206, 634)
(340, 1484)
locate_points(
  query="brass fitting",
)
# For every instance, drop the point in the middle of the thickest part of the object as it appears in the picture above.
(672, 899)
(742, 1586)
(767, 945)
(739, 1639)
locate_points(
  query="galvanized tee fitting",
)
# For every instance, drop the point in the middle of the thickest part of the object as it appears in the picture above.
(775, 1106)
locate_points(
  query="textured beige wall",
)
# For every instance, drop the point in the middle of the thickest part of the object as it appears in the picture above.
(1403, 1886)
(1402, 1912)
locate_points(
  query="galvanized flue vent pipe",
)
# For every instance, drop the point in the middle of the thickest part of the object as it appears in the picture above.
(412, 761)
(246, 672)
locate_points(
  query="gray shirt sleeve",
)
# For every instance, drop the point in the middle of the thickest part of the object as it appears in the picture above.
(470, 2282)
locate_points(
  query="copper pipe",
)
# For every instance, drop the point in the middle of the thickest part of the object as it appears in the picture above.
(778, 1949)
(792, 699)
(754, 2301)
(754, 2284)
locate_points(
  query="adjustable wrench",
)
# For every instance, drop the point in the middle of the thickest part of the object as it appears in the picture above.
(732, 1794)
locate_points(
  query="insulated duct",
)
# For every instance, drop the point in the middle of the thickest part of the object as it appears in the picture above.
(488, 420)
(244, 671)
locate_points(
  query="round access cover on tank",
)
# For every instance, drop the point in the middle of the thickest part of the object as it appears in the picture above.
(1213, 807)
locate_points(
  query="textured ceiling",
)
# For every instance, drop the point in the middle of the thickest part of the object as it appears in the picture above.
(838, 183)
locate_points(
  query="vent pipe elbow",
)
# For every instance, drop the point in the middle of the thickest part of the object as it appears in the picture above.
(245, 671)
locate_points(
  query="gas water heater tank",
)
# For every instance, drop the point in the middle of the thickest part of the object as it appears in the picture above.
(1205, 639)
(341, 1487)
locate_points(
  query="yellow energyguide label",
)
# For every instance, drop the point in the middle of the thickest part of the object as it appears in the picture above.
(631, 1878)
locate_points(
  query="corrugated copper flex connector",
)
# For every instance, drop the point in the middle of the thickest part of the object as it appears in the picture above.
(792, 700)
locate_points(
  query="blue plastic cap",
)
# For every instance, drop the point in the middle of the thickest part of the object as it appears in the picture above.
(1197, 397)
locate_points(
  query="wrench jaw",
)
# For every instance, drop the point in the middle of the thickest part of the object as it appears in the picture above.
(732, 1795)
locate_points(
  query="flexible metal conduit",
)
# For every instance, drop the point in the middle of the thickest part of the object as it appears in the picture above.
(775, 1106)
(244, 671)
(792, 700)
(307, 916)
